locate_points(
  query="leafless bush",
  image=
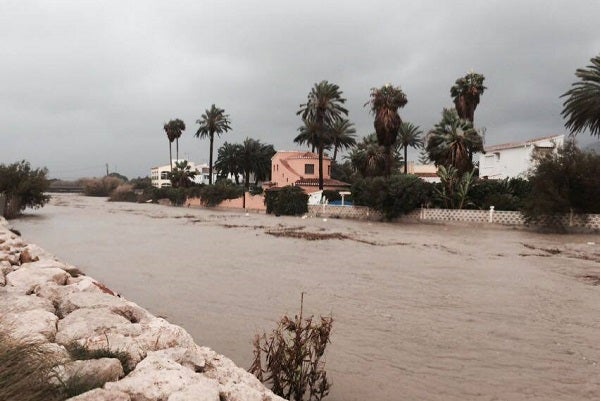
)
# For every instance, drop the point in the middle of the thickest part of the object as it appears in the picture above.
(123, 193)
(100, 186)
(290, 358)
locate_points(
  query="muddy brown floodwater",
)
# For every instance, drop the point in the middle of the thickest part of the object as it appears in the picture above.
(422, 312)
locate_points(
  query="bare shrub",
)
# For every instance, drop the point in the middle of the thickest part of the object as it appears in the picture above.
(290, 358)
(100, 186)
(123, 193)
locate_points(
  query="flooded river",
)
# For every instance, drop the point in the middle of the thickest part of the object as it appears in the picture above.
(421, 312)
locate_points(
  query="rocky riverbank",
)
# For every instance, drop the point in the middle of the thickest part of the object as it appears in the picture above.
(139, 357)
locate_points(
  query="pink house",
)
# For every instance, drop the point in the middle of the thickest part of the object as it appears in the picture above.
(302, 169)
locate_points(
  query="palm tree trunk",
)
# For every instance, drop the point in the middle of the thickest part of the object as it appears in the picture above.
(405, 156)
(176, 148)
(388, 162)
(335, 152)
(170, 158)
(321, 167)
(246, 180)
(211, 161)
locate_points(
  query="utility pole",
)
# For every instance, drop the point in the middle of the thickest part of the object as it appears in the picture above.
(107, 168)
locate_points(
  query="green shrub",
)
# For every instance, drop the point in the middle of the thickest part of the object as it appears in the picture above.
(393, 196)
(212, 195)
(287, 200)
(23, 187)
(564, 182)
(255, 190)
(507, 194)
(177, 196)
(100, 186)
(123, 193)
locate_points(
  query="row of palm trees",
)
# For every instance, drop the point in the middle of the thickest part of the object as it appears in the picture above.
(213, 121)
(451, 142)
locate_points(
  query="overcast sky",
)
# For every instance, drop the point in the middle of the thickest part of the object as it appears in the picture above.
(86, 83)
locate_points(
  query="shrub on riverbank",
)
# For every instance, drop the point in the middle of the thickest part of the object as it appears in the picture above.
(393, 196)
(288, 200)
(290, 358)
(22, 187)
(124, 193)
(212, 195)
(100, 186)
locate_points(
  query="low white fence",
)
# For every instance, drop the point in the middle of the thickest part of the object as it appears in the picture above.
(586, 221)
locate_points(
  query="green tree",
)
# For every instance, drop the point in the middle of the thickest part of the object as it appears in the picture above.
(23, 187)
(424, 158)
(323, 109)
(466, 94)
(255, 158)
(213, 121)
(182, 176)
(581, 108)
(563, 182)
(370, 159)
(409, 135)
(454, 188)
(385, 103)
(228, 160)
(449, 142)
(174, 130)
(342, 136)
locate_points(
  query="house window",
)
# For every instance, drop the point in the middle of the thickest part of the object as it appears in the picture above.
(329, 171)
(164, 175)
(309, 169)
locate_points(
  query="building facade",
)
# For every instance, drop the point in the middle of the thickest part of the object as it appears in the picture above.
(511, 160)
(302, 169)
(159, 175)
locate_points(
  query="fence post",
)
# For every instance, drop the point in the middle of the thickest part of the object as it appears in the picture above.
(571, 222)
(490, 213)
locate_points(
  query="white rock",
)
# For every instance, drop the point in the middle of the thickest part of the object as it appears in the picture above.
(92, 372)
(28, 277)
(155, 378)
(116, 342)
(204, 390)
(12, 302)
(120, 306)
(86, 323)
(160, 334)
(99, 394)
(34, 325)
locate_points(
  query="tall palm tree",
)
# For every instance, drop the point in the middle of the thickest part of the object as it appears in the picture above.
(449, 142)
(183, 175)
(466, 94)
(385, 103)
(228, 160)
(213, 121)
(324, 107)
(174, 130)
(581, 108)
(409, 135)
(342, 136)
(309, 135)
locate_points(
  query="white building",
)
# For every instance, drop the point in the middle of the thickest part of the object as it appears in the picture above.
(160, 175)
(509, 160)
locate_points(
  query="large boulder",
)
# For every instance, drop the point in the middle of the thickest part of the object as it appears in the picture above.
(13, 302)
(30, 275)
(155, 378)
(100, 394)
(35, 325)
(203, 390)
(91, 300)
(91, 372)
(86, 323)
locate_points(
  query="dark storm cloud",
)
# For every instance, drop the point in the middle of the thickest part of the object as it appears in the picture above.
(88, 83)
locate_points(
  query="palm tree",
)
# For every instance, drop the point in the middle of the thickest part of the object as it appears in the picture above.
(385, 103)
(449, 142)
(254, 158)
(213, 121)
(324, 107)
(409, 135)
(466, 94)
(183, 175)
(581, 109)
(369, 158)
(342, 136)
(309, 135)
(174, 130)
(228, 160)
